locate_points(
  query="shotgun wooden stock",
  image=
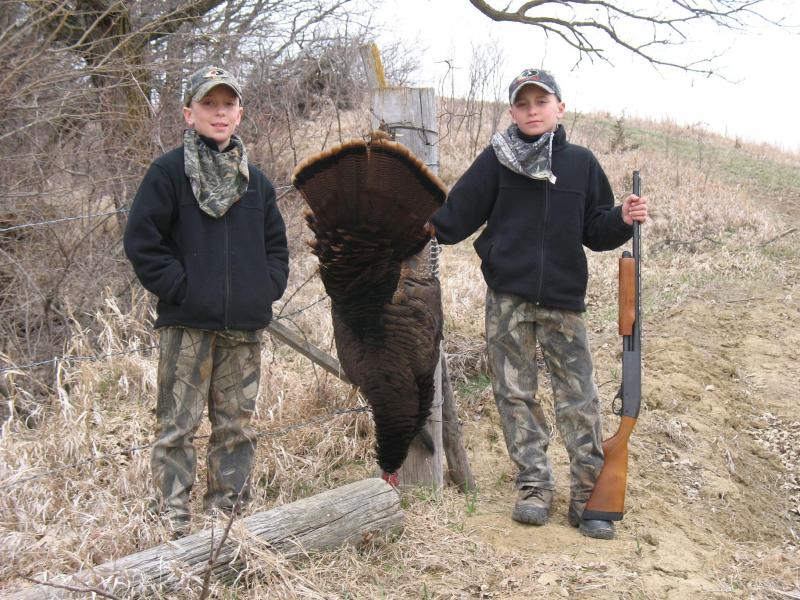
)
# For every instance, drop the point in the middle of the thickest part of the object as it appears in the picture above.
(607, 502)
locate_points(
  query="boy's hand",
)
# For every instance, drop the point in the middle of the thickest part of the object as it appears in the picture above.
(634, 208)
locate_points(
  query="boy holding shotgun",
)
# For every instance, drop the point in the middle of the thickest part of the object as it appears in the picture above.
(542, 199)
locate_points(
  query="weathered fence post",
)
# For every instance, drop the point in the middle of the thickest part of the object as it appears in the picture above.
(458, 469)
(410, 115)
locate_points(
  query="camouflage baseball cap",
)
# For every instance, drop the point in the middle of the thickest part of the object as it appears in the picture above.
(201, 81)
(540, 77)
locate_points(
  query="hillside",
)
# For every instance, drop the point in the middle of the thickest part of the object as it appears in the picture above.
(713, 508)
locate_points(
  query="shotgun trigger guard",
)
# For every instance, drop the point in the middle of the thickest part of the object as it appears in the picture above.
(616, 403)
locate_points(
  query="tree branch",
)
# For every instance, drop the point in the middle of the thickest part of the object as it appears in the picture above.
(669, 22)
(71, 588)
(170, 22)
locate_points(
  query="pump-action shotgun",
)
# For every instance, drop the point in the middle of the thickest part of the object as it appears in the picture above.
(607, 501)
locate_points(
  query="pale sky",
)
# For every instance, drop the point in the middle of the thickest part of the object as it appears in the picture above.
(759, 101)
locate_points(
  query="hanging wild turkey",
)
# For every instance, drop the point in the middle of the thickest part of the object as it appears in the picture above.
(370, 202)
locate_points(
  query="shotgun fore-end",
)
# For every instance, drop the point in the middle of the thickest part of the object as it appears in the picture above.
(627, 294)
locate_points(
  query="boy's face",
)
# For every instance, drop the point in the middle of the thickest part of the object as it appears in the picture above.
(216, 115)
(536, 111)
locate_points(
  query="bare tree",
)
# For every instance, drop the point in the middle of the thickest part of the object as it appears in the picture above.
(649, 31)
(484, 92)
(90, 93)
(118, 47)
(483, 97)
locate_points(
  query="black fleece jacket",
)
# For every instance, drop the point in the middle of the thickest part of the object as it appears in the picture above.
(532, 245)
(207, 273)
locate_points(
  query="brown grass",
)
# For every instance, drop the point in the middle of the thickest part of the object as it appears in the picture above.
(87, 500)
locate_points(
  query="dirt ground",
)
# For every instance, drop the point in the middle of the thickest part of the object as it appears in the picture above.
(713, 505)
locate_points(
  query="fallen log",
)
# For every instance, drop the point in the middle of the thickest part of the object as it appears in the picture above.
(346, 515)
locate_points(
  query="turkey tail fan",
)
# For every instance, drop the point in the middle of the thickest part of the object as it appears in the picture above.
(329, 181)
(377, 186)
(398, 179)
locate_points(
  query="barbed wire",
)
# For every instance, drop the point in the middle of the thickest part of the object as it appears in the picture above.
(62, 220)
(130, 451)
(75, 358)
(305, 308)
(99, 357)
(285, 189)
(282, 189)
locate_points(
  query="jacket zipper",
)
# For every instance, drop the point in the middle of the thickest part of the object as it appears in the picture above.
(226, 299)
(541, 254)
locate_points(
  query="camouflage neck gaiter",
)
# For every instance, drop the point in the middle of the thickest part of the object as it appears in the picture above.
(532, 159)
(218, 179)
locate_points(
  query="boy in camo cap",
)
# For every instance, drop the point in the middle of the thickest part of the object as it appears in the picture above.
(204, 235)
(542, 199)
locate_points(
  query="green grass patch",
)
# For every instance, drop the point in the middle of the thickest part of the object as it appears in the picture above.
(474, 386)
(742, 165)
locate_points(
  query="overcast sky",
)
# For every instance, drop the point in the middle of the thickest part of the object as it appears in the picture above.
(760, 100)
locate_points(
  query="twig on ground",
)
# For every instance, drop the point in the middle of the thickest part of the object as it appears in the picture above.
(750, 299)
(72, 588)
(779, 236)
(705, 238)
(212, 559)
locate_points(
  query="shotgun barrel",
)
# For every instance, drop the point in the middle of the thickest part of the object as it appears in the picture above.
(607, 501)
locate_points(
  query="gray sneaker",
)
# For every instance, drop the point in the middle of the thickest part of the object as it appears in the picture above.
(593, 528)
(533, 506)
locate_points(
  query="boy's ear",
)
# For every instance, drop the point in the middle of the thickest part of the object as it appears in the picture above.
(187, 116)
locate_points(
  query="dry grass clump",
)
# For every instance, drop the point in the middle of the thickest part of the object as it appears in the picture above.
(62, 505)
(76, 488)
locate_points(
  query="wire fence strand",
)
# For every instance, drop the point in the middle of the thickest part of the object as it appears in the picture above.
(281, 190)
(272, 433)
(99, 357)
(75, 358)
(63, 220)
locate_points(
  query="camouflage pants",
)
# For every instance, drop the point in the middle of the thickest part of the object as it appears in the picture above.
(513, 327)
(196, 368)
